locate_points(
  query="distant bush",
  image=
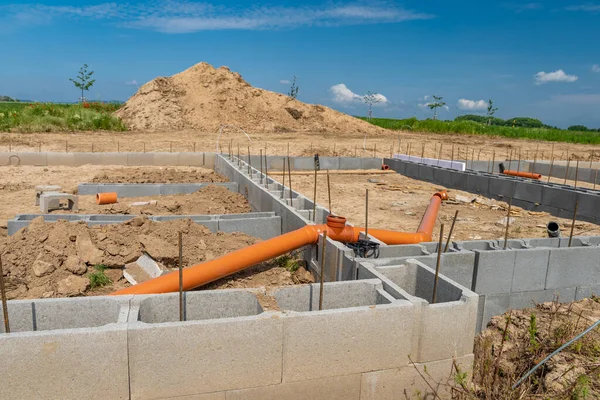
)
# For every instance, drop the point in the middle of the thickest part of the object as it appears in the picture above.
(580, 128)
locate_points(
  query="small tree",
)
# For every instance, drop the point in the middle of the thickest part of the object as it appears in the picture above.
(293, 93)
(370, 99)
(490, 111)
(437, 102)
(83, 80)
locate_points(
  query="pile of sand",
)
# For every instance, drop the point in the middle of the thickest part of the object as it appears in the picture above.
(204, 98)
(54, 259)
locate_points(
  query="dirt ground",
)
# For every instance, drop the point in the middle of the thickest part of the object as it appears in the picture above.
(398, 203)
(17, 189)
(300, 143)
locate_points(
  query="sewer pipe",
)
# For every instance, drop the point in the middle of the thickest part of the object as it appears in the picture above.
(521, 174)
(228, 264)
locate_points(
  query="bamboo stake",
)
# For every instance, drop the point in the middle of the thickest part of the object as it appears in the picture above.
(508, 217)
(367, 213)
(249, 163)
(266, 170)
(261, 166)
(595, 179)
(493, 160)
(567, 170)
(451, 230)
(322, 277)
(283, 182)
(437, 265)
(576, 173)
(315, 196)
(440, 154)
(550, 172)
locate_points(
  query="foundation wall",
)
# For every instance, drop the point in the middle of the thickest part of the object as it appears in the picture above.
(558, 200)
(148, 189)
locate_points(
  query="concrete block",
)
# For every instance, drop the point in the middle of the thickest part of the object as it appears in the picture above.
(396, 165)
(442, 176)
(370, 163)
(27, 158)
(584, 292)
(202, 305)
(346, 341)
(459, 166)
(530, 299)
(180, 188)
(233, 353)
(412, 170)
(528, 191)
(573, 267)
(140, 158)
(57, 368)
(52, 201)
(263, 228)
(458, 266)
(164, 159)
(191, 159)
(392, 384)
(41, 189)
(130, 189)
(460, 180)
(479, 184)
(350, 163)
(562, 199)
(589, 204)
(302, 298)
(345, 387)
(493, 272)
(426, 172)
(531, 267)
(495, 304)
(67, 159)
(20, 316)
(501, 187)
(303, 163)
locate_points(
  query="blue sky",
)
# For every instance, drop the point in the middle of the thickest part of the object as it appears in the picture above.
(537, 59)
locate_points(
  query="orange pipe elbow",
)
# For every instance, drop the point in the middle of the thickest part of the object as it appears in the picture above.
(522, 174)
(106, 198)
(239, 260)
(385, 167)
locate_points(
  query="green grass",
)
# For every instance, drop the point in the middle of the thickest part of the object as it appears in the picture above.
(52, 117)
(99, 278)
(475, 128)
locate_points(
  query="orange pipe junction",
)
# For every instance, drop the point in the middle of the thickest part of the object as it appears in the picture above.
(522, 174)
(210, 271)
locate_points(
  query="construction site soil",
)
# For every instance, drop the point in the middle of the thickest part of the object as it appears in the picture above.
(205, 98)
(398, 203)
(516, 341)
(57, 259)
(17, 190)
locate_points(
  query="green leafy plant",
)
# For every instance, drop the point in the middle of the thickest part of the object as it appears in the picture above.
(534, 345)
(491, 111)
(288, 262)
(581, 390)
(99, 278)
(83, 80)
(293, 93)
(437, 103)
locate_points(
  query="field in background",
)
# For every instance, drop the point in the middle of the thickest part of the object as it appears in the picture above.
(52, 117)
(476, 128)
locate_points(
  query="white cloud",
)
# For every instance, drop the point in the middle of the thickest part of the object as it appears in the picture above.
(284, 82)
(474, 105)
(132, 83)
(585, 7)
(343, 95)
(184, 17)
(556, 76)
(595, 68)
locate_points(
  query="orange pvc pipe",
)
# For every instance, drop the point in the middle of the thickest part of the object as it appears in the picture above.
(239, 260)
(385, 167)
(522, 174)
(106, 198)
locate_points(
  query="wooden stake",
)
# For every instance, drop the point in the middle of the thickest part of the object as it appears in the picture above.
(194, 147)
(3, 295)
(249, 163)
(440, 154)
(118, 147)
(595, 179)
(266, 170)
(574, 220)
(493, 160)
(144, 143)
(452, 157)
(329, 193)
(322, 277)
(66, 146)
(451, 230)
(437, 265)
(288, 154)
(283, 181)
(375, 150)
(552, 151)
(180, 277)
(422, 151)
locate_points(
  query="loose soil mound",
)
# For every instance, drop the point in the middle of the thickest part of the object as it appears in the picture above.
(204, 98)
(53, 259)
(152, 175)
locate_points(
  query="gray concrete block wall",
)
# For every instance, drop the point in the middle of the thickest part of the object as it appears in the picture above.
(529, 194)
(148, 189)
(128, 158)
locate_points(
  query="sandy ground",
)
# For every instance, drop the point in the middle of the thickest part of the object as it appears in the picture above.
(17, 184)
(397, 203)
(477, 147)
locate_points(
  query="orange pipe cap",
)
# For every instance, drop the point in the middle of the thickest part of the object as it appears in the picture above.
(106, 198)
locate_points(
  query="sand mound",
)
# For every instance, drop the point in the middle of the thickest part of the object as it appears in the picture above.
(204, 98)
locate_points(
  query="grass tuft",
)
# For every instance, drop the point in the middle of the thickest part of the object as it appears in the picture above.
(99, 278)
